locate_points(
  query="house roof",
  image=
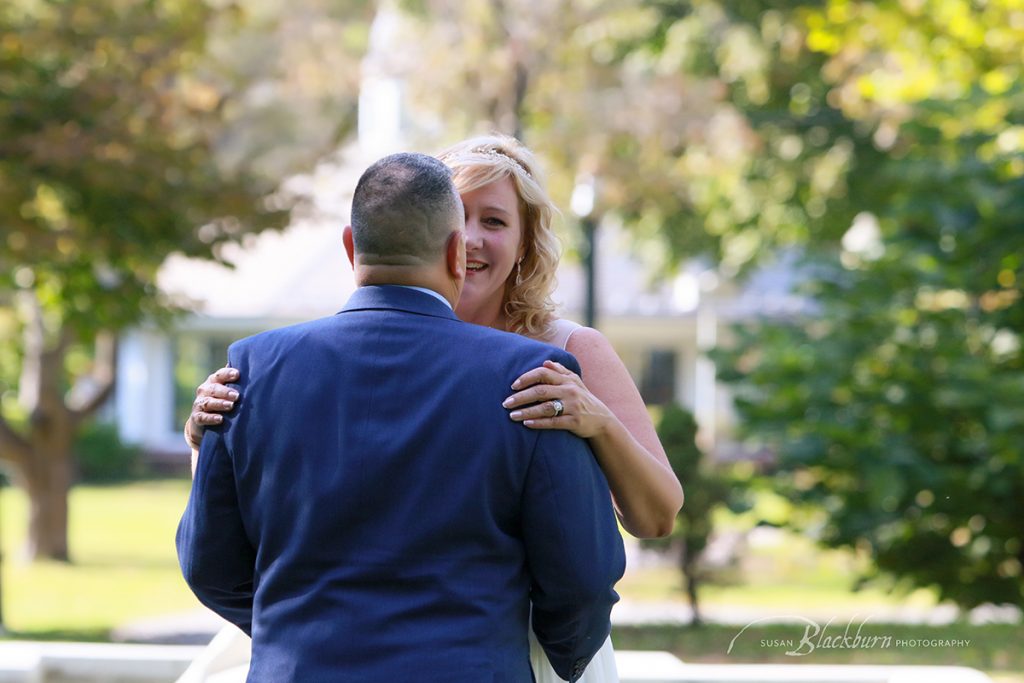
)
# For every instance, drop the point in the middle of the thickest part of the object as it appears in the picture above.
(302, 272)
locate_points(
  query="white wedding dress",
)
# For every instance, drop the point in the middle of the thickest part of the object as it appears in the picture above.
(226, 659)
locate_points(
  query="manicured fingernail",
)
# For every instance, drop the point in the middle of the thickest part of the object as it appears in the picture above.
(507, 402)
(227, 405)
(516, 384)
(218, 418)
(233, 395)
(516, 414)
(232, 373)
(529, 423)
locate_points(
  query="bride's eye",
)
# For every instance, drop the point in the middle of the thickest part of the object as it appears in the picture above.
(494, 222)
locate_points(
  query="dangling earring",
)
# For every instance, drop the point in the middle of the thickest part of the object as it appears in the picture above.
(519, 272)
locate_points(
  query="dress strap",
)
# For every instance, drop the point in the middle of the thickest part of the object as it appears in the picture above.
(561, 330)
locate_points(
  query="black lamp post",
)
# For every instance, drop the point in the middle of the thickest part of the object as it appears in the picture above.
(582, 205)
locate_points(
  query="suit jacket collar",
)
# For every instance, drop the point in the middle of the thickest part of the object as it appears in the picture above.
(390, 297)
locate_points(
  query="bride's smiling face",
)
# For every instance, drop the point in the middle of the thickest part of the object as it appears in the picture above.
(494, 236)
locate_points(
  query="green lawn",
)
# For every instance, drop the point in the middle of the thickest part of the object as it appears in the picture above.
(124, 568)
(790, 574)
(124, 564)
(761, 594)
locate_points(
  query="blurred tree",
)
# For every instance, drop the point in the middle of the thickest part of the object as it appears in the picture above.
(291, 73)
(120, 143)
(706, 490)
(705, 123)
(778, 166)
(896, 406)
(574, 80)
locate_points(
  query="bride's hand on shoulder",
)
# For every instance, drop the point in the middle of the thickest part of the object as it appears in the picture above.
(541, 391)
(213, 397)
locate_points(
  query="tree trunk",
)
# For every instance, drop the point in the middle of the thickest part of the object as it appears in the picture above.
(46, 472)
(691, 591)
(48, 482)
(688, 565)
(508, 109)
(43, 459)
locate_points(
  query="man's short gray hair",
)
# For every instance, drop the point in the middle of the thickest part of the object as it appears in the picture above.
(403, 210)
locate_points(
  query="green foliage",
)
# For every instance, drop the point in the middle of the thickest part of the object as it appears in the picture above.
(894, 407)
(109, 127)
(103, 457)
(705, 489)
(677, 430)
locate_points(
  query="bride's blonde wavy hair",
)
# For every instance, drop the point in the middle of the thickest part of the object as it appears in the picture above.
(483, 160)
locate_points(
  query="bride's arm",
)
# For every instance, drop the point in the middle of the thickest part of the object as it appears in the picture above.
(609, 412)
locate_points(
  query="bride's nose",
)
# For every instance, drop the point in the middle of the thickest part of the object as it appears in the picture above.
(474, 236)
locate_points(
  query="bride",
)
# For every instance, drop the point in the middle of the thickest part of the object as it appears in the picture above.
(512, 255)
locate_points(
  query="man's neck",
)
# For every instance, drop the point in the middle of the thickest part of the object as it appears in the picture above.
(409, 276)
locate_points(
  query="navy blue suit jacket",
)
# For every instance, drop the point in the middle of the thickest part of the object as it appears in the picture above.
(370, 513)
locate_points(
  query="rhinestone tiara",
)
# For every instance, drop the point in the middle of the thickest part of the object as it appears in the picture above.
(499, 155)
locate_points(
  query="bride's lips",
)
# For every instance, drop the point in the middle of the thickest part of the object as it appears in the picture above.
(475, 267)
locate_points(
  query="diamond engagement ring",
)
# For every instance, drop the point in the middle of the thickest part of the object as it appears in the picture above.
(558, 406)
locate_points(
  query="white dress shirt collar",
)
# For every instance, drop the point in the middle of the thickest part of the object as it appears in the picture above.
(428, 291)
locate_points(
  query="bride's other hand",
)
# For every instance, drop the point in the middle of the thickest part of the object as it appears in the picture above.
(213, 397)
(535, 402)
(610, 413)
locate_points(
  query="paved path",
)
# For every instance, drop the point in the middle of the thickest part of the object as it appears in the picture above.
(198, 627)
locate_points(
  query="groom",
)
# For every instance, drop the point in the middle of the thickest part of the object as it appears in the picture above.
(368, 512)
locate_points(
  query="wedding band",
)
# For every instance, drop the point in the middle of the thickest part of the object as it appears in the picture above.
(558, 406)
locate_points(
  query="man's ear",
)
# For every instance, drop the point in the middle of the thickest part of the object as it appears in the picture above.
(350, 247)
(455, 255)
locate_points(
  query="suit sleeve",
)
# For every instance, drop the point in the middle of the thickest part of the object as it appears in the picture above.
(574, 551)
(216, 557)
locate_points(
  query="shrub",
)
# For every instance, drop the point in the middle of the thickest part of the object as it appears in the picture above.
(103, 457)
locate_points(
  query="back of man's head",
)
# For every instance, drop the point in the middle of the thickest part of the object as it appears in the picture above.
(404, 209)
